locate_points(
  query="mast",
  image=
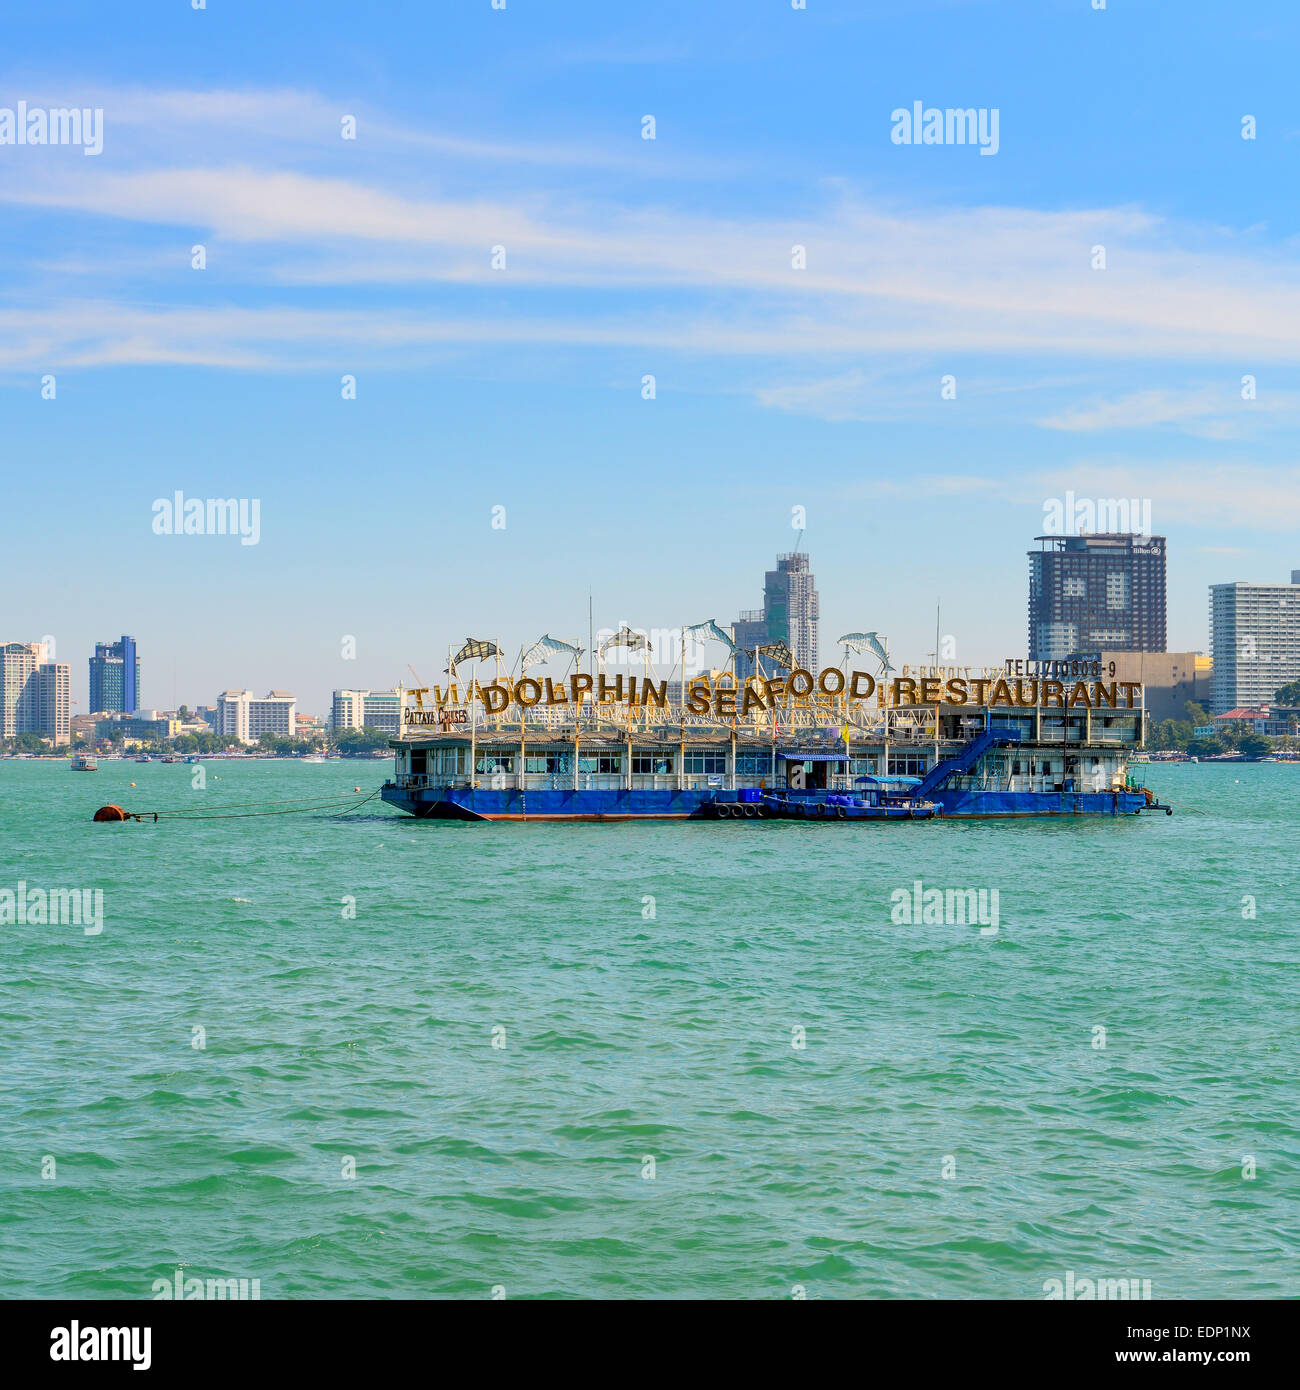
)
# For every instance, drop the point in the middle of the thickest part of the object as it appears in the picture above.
(936, 676)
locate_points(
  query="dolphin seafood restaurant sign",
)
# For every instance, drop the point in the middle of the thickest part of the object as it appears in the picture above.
(799, 688)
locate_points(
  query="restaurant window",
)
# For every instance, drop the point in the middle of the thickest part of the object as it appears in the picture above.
(546, 762)
(607, 763)
(495, 762)
(706, 762)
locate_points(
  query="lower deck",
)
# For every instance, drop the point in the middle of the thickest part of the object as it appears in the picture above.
(568, 804)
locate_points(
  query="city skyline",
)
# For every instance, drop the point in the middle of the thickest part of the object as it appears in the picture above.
(325, 705)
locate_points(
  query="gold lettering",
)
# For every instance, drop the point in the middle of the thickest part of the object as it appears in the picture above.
(1079, 695)
(859, 694)
(1001, 693)
(822, 681)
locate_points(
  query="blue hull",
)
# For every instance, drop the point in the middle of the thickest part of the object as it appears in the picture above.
(465, 803)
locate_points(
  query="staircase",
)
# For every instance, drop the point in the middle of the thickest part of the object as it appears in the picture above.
(963, 760)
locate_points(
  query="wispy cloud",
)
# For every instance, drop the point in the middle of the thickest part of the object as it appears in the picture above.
(1219, 495)
(1214, 411)
(288, 209)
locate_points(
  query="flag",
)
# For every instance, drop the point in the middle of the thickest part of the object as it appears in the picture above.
(545, 647)
(474, 650)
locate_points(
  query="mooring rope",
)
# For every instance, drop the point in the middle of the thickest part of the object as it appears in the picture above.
(239, 811)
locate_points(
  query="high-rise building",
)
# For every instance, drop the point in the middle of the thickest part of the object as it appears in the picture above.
(791, 613)
(35, 693)
(1090, 591)
(245, 718)
(369, 709)
(55, 701)
(115, 677)
(1254, 641)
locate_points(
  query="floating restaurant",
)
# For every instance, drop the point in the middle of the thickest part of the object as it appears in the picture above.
(841, 744)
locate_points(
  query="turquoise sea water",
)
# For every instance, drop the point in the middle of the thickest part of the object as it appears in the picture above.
(631, 1037)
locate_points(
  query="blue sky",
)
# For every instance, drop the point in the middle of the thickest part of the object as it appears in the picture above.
(522, 388)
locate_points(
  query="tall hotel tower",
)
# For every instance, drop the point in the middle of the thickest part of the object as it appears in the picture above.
(34, 693)
(791, 614)
(1096, 591)
(115, 678)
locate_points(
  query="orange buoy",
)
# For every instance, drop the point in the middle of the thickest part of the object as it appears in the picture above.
(356, 789)
(110, 813)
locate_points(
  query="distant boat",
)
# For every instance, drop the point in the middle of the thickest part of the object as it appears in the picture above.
(313, 758)
(144, 758)
(84, 762)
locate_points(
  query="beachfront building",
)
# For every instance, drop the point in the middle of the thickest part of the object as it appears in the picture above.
(35, 693)
(243, 717)
(1254, 642)
(367, 709)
